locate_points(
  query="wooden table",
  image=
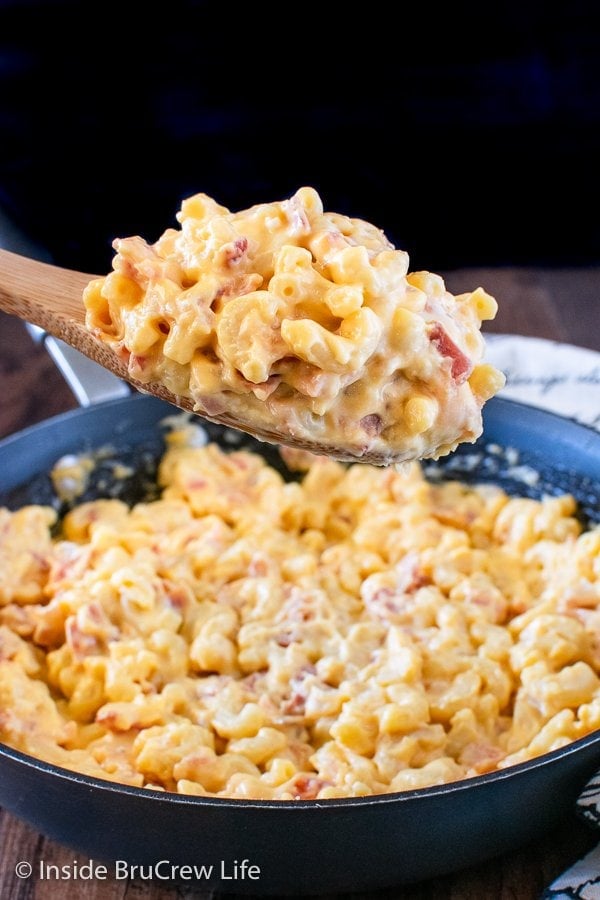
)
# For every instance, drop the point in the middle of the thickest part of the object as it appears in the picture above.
(561, 304)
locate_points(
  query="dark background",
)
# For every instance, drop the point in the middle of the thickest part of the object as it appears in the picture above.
(472, 138)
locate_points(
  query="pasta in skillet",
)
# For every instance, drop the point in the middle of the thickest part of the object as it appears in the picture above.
(299, 326)
(359, 632)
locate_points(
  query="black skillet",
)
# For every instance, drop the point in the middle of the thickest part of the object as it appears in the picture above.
(303, 846)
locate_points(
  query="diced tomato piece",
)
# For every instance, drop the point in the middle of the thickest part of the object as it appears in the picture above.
(461, 364)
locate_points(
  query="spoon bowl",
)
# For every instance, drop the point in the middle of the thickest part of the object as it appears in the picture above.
(50, 296)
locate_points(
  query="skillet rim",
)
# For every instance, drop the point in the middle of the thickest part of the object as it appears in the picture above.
(449, 787)
(139, 397)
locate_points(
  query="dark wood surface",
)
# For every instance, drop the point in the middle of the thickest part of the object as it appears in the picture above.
(560, 304)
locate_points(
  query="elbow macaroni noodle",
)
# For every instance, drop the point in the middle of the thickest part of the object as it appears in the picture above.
(299, 322)
(359, 632)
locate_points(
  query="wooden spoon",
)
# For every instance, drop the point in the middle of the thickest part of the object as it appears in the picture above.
(51, 297)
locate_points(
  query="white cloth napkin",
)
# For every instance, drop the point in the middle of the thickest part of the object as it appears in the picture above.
(557, 377)
(565, 380)
(581, 881)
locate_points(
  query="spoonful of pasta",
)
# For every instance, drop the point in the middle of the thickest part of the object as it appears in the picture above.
(298, 326)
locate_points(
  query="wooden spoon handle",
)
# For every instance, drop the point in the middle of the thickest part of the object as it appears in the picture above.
(51, 297)
(42, 294)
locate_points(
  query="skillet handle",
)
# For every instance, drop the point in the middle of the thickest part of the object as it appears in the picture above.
(89, 382)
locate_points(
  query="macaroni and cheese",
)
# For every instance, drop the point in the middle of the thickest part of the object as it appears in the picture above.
(299, 326)
(361, 631)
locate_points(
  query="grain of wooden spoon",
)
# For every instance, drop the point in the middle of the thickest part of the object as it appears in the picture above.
(51, 297)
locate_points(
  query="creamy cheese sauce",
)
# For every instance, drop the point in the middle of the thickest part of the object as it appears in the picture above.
(302, 323)
(359, 632)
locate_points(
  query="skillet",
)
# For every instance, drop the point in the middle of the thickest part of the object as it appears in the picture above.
(303, 847)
